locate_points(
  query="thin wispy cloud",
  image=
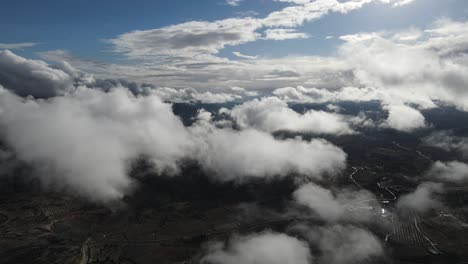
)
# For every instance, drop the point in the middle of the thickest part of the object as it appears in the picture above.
(21, 45)
(233, 2)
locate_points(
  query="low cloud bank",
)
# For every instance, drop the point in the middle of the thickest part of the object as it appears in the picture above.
(404, 118)
(252, 153)
(421, 200)
(32, 77)
(331, 206)
(428, 195)
(81, 134)
(340, 244)
(85, 140)
(331, 244)
(449, 142)
(272, 114)
(263, 248)
(450, 172)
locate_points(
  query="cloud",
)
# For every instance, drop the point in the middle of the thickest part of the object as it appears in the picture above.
(424, 198)
(254, 75)
(83, 141)
(359, 37)
(394, 2)
(297, 15)
(340, 244)
(262, 248)
(404, 118)
(320, 200)
(454, 172)
(32, 77)
(447, 141)
(424, 67)
(284, 33)
(201, 39)
(17, 45)
(187, 40)
(191, 95)
(397, 3)
(240, 155)
(9, 164)
(233, 2)
(271, 114)
(344, 205)
(302, 94)
(343, 244)
(240, 55)
(429, 66)
(301, 2)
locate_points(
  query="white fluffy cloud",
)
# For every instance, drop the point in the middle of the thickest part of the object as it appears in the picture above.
(271, 114)
(238, 155)
(85, 140)
(427, 194)
(455, 171)
(447, 141)
(397, 3)
(302, 94)
(340, 244)
(344, 205)
(348, 244)
(32, 77)
(202, 38)
(404, 118)
(422, 199)
(320, 200)
(262, 248)
(394, 2)
(296, 15)
(429, 65)
(196, 38)
(418, 66)
(188, 95)
(284, 33)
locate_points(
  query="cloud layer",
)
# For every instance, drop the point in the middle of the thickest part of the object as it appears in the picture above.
(251, 153)
(32, 77)
(84, 140)
(418, 67)
(404, 118)
(271, 114)
(421, 200)
(263, 248)
(449, 142)
(343, 205)
(452, 172)
(84, 135)
(340, 244)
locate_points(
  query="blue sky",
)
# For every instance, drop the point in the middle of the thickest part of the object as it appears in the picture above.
(81, 26)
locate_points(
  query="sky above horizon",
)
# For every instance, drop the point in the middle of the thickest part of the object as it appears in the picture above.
(84, 28)
(249, 47)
